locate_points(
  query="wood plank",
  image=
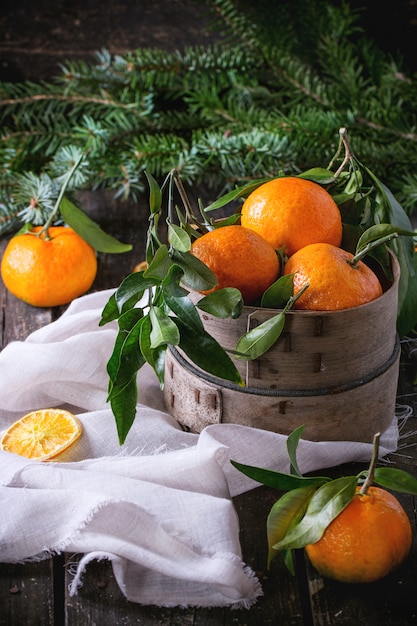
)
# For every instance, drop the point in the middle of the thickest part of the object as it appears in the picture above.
(127, 221)
(26, 594)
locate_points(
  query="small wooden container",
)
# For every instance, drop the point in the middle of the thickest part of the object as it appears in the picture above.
(336, 372)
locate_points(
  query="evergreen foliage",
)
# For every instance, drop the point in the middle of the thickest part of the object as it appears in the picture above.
(271, 98)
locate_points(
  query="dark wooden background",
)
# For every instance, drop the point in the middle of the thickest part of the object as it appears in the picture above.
(37, 35)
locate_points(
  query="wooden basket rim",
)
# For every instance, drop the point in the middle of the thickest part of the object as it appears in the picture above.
(260, 391)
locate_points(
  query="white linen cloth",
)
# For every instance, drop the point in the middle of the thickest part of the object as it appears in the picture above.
(159, 507)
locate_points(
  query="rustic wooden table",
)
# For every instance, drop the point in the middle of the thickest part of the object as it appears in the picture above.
(37, 593)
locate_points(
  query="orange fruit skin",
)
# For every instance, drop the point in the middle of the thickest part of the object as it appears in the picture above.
(291, 213)
(333, 283)
(48, 272)
(239, 258)
(369, 539)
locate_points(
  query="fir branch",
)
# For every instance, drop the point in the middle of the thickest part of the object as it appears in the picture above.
(271, 98)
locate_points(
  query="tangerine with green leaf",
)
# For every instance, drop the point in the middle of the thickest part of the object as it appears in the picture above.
(335, 279)
(47, 268)
(292, 212)
(370, 538)
(239, 258)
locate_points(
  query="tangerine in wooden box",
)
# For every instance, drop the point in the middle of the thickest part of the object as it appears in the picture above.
(336, 372)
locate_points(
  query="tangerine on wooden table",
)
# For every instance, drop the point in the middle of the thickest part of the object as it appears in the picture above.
(334, 284)
(239, 258)
(42, 434)
(369, 539)
(48, 270)
(291, 213)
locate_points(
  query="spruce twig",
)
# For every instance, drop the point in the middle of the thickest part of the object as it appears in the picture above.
(268, 100)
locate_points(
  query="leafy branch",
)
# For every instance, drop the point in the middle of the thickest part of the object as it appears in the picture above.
(223, 115)
(301, 515)
(154, 311)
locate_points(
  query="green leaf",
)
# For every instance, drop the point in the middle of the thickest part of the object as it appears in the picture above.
(223, 303)
(373, 233)
(176, 298)
(239, 192)
(278, 294)
(405, 272)
(226, 221)
(407, 316)
(132, 289)
(164, 330)
(122, 367)
(196, 273)
(394, 213)
(278, 480)
(145, 339)
(159, 363)
(110, 311)
(396, 480)
(354, 182)
(318, 175)
(155, 194)
(159, 265)
(289, 561)
(325, 505)
(123, 406)
(179, 238)
(126, 358)
(23, 229)
(154, 356)
(258, 340)
(207, 353)
(285, 514)
(89, 230)
(293, 440)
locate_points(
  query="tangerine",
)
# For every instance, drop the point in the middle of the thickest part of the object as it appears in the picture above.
(42, 434)
(291, 213)
(48, 270)
(334, 283)
(239, 258)
(370, 538)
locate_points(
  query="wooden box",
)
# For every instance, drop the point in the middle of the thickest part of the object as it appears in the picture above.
(334, 371)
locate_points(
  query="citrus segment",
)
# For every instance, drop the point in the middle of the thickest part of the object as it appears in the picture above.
(370, 538)
(291, 213)
(42, 434)
(48, 271)
(239, 258)
(334, 284)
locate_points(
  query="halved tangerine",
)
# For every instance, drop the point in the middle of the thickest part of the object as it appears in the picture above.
(42, 434)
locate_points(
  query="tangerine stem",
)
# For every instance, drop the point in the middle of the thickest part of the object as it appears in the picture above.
(45, 227)
(348, 152)
(170, 197)
(189, 213)
(371, 471)
(370, 246)
(293, 299)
